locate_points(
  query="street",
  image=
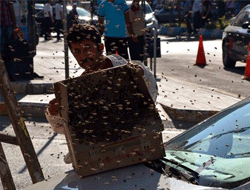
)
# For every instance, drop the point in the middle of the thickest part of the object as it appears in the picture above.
(178, 59)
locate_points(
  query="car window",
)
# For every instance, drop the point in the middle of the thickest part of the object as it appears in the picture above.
(82, 12)
(40, 14)
(226, 131)
(240, 19)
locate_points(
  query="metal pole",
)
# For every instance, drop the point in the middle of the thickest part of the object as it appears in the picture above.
(151, 59)
(145, 48)
(66, 51)
(155, 38)
(92, 11)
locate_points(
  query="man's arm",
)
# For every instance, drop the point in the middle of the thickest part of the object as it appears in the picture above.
(129, 26)
(16, 30)
(51, 14)
(12, 13)
(61, 12)
(100, 23)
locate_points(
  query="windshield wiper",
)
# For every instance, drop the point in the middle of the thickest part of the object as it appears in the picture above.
(190, 175)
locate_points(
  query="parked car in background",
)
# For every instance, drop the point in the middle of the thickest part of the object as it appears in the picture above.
(84, 16)
(236, 38)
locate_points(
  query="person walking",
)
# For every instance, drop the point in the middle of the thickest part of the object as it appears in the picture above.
(58, 18)
(116, 14)
(136, 41)
(48, 19)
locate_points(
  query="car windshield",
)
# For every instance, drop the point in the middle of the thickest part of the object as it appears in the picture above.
(218, 145)
(80, 11)
(148, 9)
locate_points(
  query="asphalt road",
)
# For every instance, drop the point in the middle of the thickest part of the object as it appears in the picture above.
(178, 59)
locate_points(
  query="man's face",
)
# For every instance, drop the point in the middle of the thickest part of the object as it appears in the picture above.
(87, 54)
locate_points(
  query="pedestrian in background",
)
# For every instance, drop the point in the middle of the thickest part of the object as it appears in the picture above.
(73, 16)
(207, 20)
(187, 10)
(197, 19)
(232, 7)
(116, 14)
(8, 27)
(136, 41)
(48, 19)
(7, 24)
(58, 18)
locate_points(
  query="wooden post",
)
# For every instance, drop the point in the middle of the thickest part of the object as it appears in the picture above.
(19, 126)
(5, 174)
(8, 139)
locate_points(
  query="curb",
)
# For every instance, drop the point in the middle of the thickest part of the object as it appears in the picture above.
(172, 31)
(28, 109)
(207, 33)
(188, 115)
(24, 87)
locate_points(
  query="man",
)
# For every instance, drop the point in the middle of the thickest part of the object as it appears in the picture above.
(73, 16)
(188, 15)
(48, 19)
(197, 15)
(7, 24)
(58, 18)
(116, 14)
(85, 44)
(8, 30)
(137, 20)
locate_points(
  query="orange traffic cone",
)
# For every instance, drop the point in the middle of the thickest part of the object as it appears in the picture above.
(200, 59)
(247, 69)
(116, 52)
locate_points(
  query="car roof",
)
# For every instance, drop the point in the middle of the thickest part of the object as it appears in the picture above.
(247, 8)
(130, 2)
(39, 5)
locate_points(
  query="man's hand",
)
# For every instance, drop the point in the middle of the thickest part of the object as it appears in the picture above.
(135, 39)
(138, 68)
(18, 33)
(53, 107)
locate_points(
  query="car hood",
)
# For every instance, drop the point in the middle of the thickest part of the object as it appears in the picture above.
(131, 177)
(87, 18)
(214, 171)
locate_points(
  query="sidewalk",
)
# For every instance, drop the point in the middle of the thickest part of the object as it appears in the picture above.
(181, 100)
